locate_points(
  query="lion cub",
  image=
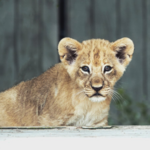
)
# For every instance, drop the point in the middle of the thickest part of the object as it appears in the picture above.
(75, 92)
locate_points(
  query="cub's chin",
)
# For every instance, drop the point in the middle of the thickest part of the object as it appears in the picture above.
(97, 98)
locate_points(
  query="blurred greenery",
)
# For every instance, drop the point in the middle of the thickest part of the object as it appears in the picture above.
(129, 112)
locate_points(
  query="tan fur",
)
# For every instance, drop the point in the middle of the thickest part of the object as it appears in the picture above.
(63, 95)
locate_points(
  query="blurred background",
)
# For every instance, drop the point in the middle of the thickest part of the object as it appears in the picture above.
(31, 29)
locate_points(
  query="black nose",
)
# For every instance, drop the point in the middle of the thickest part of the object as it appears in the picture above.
(97, 88)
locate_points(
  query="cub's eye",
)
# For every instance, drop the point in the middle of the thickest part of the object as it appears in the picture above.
(85, 69)
(107, 68)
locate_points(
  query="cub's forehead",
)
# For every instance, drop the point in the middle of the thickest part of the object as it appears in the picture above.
(96, 51)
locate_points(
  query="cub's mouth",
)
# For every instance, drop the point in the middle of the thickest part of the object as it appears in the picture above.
(97, 97)
(97, 94)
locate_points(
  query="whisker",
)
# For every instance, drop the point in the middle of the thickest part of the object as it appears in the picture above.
(88, 89)
(79, 92)
(115, 95)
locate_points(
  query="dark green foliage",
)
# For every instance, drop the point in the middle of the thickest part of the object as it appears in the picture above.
(129, 112)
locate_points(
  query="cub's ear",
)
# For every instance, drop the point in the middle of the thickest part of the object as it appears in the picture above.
(124, 49)
(68, 50)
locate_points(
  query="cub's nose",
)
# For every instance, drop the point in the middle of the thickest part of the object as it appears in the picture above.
(97, 88)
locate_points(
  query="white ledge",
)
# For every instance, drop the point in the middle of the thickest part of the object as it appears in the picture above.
(110, 131)
(72, 137)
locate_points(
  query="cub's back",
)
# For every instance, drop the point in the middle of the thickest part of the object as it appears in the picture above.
(25, 102)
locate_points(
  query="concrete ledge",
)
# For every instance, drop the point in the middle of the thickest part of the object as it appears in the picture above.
(75, 138)
(109, 131)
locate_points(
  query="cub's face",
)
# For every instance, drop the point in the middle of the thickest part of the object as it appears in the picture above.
(95, 65)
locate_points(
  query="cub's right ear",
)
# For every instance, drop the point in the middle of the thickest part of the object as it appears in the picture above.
(68, 50)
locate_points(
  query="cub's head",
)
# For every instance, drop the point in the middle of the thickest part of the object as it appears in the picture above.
(96, 65)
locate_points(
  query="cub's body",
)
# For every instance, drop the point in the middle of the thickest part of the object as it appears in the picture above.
(75, 92)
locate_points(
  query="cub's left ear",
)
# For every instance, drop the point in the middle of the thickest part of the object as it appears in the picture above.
(124, 49)
(68, 50)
